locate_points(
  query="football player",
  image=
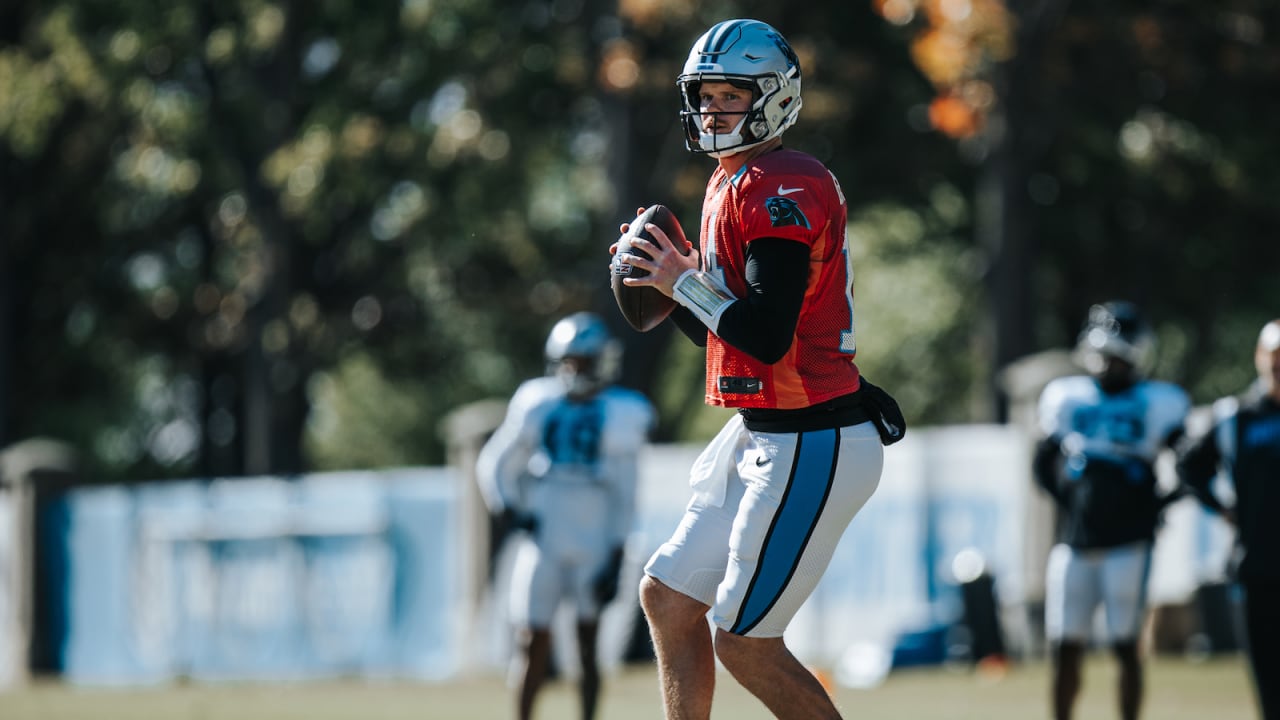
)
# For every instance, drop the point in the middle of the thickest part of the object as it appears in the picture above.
(562, 467)
(1102, 433)
(1245, 443)
(769, 293)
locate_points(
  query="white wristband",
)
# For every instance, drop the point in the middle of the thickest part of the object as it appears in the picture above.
(705, 294)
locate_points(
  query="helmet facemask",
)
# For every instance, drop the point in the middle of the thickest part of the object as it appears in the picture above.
(1115, 331)
(580, 375)
(582, 354)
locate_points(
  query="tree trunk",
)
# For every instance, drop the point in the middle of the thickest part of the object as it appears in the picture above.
(1012, 247)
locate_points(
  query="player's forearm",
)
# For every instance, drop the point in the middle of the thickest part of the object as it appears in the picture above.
(762, 332)
(1197, 466)
(1045, 466)
(500, 474)
(690, 325)
(763, 323)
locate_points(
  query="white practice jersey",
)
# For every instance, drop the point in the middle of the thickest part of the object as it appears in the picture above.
(1129, 425)
(1105, 482)
(573, 464)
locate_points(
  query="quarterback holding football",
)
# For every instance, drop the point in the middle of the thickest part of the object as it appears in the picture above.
(769, 292)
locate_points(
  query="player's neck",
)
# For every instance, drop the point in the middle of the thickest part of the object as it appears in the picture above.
(734, 163)
(1273, 392)
(1116, 384)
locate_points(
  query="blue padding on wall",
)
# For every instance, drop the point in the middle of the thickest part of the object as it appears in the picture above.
(335, 574)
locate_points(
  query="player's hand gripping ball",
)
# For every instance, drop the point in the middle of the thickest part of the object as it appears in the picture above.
(644, 306)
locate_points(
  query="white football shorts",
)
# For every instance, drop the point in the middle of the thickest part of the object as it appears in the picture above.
(756, 557)
(1078, 581)
(571, 547)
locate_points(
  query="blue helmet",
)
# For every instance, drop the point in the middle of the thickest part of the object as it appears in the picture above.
(581, 352)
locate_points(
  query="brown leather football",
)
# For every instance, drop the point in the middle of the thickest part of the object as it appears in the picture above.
(644, 307)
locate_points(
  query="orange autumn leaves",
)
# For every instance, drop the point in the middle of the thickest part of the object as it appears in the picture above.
(955, 45)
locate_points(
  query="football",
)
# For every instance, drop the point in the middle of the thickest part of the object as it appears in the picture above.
(644, 307)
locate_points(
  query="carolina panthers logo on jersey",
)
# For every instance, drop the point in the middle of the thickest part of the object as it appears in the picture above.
(784, 212)
(1262, 433)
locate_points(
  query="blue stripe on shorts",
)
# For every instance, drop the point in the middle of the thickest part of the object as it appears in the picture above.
(801, 507)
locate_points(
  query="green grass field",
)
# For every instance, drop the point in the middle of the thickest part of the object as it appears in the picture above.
(1177, 690)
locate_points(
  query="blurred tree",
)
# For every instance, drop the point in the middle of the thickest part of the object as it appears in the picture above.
(1154, 182)
(1117, 147)
(221, 202)
(274, 236)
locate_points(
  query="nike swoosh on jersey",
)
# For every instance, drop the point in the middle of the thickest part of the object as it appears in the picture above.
(788, 191)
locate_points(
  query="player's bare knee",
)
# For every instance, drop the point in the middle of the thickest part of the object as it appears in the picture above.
(735, 650)
(655, 598)
(650, 594)
(663, 605)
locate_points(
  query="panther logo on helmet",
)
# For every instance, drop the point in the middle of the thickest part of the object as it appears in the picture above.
(784, 47)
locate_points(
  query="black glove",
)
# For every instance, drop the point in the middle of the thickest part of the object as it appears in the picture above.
(884, 412)
(1046, 468)
(606, 582)
(513, 519)
(1171, 497)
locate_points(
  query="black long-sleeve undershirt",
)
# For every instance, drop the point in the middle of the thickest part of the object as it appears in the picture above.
(1198, 462)
(763, 323)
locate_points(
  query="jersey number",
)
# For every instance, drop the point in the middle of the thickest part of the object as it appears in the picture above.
(1119, 428)
(848, 343)
(572, 435)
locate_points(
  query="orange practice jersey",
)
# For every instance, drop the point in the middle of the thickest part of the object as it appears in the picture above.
(790, 195)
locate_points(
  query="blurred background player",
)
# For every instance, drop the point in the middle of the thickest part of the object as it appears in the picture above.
(1244, 443)
(769, 293)
(1102, 434)
(562, 467)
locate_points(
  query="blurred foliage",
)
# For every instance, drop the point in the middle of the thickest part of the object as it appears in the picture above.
(266, 236)
(360, 419)
(918, 296)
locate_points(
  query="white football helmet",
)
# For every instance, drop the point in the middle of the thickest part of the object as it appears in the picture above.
(753, 56)
(582, 353)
